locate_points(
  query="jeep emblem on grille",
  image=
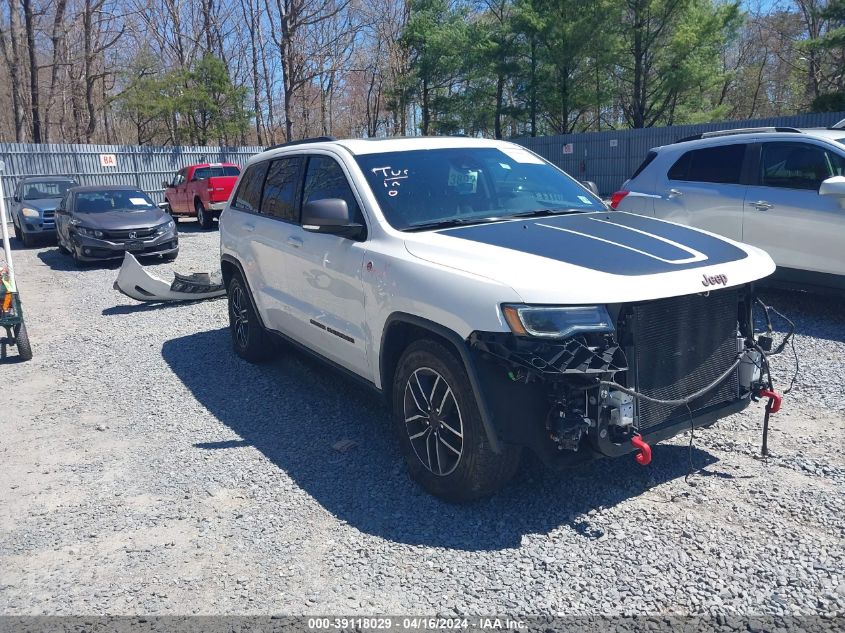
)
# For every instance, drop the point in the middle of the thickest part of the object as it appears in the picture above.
(133, 235)
(714, 280)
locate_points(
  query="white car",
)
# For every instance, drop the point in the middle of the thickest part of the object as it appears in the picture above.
(782, 189)
(494, 301)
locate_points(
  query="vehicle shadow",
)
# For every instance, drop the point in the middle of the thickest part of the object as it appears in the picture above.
(190, 225)
(815, 315)
(294, 409)
(57, 260)
(152, 306)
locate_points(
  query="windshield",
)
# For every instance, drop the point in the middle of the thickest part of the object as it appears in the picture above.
(423, 188)
(201, 173)
(46, 189)
(119, 200)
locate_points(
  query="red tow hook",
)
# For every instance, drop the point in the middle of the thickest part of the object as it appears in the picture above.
(643, 456)
(774, 399)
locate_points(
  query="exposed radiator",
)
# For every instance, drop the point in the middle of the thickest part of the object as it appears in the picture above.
(681, 345)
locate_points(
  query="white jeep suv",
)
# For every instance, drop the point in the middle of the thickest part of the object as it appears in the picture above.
(494, 301)
(782, 189)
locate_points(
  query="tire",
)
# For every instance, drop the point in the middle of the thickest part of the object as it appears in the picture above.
(205, 219)
(17, 232)
(62, 248)
(169, 211)
(249, 338)
(432, 455)
(28, 240)
(22, 342)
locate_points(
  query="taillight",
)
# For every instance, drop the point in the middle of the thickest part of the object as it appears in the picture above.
(616, 198)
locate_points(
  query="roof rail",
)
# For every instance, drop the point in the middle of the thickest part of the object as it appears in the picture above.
(741, 130)
(303, 141)
(838, 126)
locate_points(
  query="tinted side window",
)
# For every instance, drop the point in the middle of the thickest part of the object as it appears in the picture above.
(248, 196)
(325, 179)
(281, 188)
(721, 164)
(798, 165)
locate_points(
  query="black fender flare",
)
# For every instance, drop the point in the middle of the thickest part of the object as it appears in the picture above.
(237, 264)
(462, 347)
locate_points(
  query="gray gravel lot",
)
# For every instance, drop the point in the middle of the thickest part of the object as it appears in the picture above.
(146, 469)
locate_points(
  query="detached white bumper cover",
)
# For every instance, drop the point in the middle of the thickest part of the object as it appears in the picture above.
(137, 283)
(603, 257)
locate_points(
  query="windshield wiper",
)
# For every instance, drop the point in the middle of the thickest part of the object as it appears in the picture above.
(445, 224)
(540, 212)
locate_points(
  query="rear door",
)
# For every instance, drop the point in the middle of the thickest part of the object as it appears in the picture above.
(704, 189)
(326, 271)
(272, 243)
(786, 216)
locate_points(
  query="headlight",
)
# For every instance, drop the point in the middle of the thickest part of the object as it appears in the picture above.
(30, 213)
(556, 322)
(89, 232)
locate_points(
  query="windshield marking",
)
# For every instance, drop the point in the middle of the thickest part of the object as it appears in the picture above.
(696, 256)
(391, 178)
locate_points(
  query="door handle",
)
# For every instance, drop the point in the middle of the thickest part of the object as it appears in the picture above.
(762, 205)
(296, 242)
(674, 193)
(249, 228)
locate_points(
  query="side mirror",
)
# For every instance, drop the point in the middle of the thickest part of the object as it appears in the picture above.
(330, 215)
(589, 184)
(16, 198)
(834, 186)
(163, 206)
(164, 184)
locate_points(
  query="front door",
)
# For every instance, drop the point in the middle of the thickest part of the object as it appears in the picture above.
(326, 272)
(785, 215)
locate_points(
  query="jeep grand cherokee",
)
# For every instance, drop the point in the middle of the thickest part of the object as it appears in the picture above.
(495, 302)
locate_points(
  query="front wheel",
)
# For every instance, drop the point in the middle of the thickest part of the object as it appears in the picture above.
(205, 219)
(28, 240)
(249, 338)
(440, 428)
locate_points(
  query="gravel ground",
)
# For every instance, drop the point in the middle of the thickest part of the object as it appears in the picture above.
(146, 469)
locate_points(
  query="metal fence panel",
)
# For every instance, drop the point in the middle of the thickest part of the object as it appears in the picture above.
(609, 158)
(142, 166)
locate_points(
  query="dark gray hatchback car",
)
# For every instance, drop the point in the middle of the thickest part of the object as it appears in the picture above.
(103, 222)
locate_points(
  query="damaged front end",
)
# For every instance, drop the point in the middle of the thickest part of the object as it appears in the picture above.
(660, 368)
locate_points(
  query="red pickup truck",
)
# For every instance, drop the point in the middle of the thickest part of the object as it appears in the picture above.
(200, 190)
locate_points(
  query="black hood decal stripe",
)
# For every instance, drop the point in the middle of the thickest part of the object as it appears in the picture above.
(617, 243)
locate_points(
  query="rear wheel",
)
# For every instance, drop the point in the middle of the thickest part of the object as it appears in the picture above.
(22, 342)
(249, 338)
(205, 219)
(440, 428)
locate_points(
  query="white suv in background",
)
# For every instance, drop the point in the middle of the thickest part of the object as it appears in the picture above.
(781, 189)
(493, 301)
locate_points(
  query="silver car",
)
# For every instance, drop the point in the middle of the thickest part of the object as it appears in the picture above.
(34, 204)
(781, 189)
